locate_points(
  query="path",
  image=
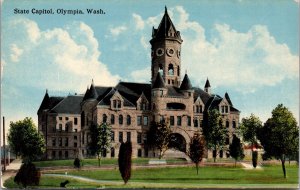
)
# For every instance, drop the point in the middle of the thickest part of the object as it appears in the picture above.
(250, 166)
(11, 170)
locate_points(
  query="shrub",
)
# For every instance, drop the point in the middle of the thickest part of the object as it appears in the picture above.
(254, 158)
(124, 161)
(28, 174)
(77, 163)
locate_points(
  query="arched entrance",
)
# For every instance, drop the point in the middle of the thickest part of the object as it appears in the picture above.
(177, 142)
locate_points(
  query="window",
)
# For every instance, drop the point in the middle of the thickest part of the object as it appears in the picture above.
(66, 127)
(75, 130)
(66, 141)
(128, 120)
(83, 138)
(145, 121)
(171, 120)
(120, 137)
(75, 121)
(179, 120)
(82, 119)
(60, 118)
(60, 128)
(189, 120)
(112, 152)
(195, 122)
(170, 69)
(224, 109)
(59, 141)
(139, 152)
(75, 137)
(233, 124)
(67, 118)
(53, 154)
(128, 136)
(66, 154)
(161, 119)
(116, 104)
(227, 124)
(139, 120)
(199, 109)
(112, 119)
(53, 141)
(104, 118)
(60, 154)
(75, 144)
(143, 106)
(112, 136)
(120, 119)
(178, 71)
(201, 123)
(139, 138)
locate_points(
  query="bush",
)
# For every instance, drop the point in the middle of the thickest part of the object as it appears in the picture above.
(254, 158)
(77, 163)
(28, 174)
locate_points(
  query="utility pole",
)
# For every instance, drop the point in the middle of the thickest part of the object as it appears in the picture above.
(4, 156)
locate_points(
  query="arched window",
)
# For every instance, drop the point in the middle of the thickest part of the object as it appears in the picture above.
(178, 71)
(227, 124)
(160, 69)
(82, 119)
(170, 69)
(104, 118)
(112, 119)
(120, 119)
(128, 120)
(233, 124)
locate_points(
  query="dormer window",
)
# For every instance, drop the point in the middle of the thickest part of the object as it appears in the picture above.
(199, 109)
(224, 109)
(117, 104)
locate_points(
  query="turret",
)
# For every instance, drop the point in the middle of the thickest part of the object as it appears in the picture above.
(186, 86)
(207, 87)
(159, 87)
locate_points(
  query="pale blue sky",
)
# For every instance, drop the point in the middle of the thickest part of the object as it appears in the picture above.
(249, 49)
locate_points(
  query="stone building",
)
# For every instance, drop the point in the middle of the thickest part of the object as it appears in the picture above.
(130, 107)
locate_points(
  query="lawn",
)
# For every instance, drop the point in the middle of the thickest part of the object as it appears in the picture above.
(94, 162)
(185, 177)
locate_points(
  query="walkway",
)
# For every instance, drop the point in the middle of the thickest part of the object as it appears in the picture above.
(11, 170)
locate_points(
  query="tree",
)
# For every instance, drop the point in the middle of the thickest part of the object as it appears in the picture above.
(25, 141)
(236, 149)
(196, 149)
(280, 135)
(249, 129)
(100, 142)
(214, 131)
(159, 136)
(28, 174)
(77, 163)
(254, 158)
(124, 160)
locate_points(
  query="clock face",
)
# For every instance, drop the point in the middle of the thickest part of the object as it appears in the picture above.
(159, 51)
(170, 51)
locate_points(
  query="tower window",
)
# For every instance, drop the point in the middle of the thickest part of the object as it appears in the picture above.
(160, 69)
(178, 71)
(170, 69)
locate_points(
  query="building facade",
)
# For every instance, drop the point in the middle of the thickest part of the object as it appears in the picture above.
(130, 107)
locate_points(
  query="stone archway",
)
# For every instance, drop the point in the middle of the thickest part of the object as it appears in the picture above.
(177, 142)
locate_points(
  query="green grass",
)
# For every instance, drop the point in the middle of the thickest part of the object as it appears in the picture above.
(94, 162)
(184, 177)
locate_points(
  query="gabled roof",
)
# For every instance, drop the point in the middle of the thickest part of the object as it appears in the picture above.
(69, 105)
(159, 81)
(186, 83)
(207, 84)
(228, 99)
(203, 95)
(164, 27)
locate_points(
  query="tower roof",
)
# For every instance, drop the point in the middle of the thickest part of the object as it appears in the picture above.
(92, 92)
(45, 102)
(159, 81)
(207, 84)
(166, 28)
(186, 83)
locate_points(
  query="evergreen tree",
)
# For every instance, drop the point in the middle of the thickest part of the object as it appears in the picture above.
(236, 149)
(196, 149)
(124, 160)
(280, 135)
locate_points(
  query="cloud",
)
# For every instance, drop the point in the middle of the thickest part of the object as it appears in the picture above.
(142, 75)
(60, 59)
(139, 23)
(243, 61)
(297, 1)
(117, 30)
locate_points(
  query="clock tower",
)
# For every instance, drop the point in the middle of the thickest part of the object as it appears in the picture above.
(166, 52)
